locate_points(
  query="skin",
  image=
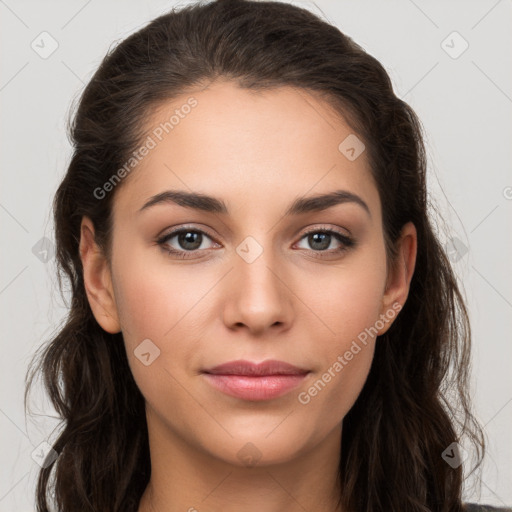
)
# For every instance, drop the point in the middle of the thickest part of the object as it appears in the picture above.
(258, 152)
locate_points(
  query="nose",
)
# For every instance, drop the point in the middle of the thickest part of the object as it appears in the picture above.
(259, 294)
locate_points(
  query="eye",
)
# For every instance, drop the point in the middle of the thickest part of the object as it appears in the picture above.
(321, 239)
(187, 240)
(190, 240)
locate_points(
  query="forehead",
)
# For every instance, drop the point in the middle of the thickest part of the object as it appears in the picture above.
(252, 147)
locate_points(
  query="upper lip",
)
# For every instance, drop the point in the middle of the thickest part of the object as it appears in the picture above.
(268, 367)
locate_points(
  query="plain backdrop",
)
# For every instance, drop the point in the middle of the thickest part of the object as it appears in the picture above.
(449, 60)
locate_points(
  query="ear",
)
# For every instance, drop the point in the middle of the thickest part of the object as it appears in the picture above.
(97, 279)
(400, 276)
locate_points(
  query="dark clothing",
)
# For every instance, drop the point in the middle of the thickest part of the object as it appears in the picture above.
(473, 507)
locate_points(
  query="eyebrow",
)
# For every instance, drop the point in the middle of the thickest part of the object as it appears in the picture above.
(211, 204)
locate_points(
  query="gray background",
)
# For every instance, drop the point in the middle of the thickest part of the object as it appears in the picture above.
(463, 102)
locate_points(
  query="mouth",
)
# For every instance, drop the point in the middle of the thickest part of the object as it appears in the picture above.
(255, 381)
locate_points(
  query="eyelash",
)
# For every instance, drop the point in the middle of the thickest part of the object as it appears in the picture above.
(346, 241)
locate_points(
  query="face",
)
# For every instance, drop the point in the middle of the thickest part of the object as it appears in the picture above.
(193, 288)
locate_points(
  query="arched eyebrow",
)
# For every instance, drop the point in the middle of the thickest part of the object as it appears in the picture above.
(203, 202)
(323, 201)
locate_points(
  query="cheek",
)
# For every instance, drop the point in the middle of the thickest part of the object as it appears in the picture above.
(331, 394)
(346, 355)
(348, 297)
(167, 306)
(349, 304)
(152, 297)
(150, 310)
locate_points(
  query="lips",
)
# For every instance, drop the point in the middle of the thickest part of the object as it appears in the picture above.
(268, 367)
(255, 381)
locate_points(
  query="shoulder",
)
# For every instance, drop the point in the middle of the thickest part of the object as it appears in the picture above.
(473, 507)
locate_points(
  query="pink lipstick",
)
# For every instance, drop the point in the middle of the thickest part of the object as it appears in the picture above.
(255, 381)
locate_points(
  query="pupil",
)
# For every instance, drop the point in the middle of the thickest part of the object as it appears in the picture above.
(188, 238)
(323, 237)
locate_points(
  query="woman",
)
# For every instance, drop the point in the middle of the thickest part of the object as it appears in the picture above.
(262, 316)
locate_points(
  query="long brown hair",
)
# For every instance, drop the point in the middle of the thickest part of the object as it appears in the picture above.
(395, 434)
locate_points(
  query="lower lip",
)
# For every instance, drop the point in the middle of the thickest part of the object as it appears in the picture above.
(263, 387)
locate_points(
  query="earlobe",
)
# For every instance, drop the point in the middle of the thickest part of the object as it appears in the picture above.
(399, 279)
(97, 279)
